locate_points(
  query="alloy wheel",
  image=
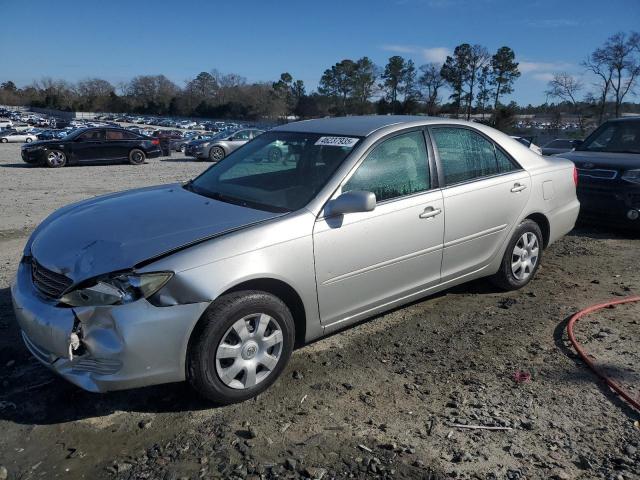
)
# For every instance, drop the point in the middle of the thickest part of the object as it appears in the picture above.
(55, 159)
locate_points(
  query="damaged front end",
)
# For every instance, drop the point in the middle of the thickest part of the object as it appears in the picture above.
(120, 341)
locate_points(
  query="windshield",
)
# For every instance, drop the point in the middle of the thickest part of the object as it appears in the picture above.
(277, 171)
(615, 137)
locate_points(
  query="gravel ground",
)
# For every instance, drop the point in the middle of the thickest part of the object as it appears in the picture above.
(379, 400)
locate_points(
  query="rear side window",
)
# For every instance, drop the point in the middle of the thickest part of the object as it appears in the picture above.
(466, 155)
(120, 135)
(395, 168)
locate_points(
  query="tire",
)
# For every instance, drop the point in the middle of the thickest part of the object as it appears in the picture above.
(4, 140)
(55, 159)
(521, 258)
(216, 154)
(28, 140)
(137, 156)
(226, 369)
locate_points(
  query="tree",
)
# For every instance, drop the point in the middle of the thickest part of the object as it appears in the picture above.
(95, 94)
(598, 64)
(363, 83)
(619, 52)
(9, 86)
(430, 82)
(484, 90)
(392, 77)
(478, 58)
(336, 82)
(566, 87)
(504, 71)
(455, 72)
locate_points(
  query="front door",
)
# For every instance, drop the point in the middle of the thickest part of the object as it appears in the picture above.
(484, 194)
(369, 259)
(89, 146)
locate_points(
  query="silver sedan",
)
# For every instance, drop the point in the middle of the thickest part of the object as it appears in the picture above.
(221, 146)
(215, 281)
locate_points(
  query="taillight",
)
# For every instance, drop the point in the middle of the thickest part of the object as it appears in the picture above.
(155, 141)
(575, 175)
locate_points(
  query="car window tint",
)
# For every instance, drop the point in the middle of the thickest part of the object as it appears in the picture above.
(116, 135)
(396, 167)
(92, 135)
(242, 135)
(465, 155)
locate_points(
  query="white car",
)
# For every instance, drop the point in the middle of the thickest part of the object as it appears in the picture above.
(527, 142)
(6, 124)
(18, 137)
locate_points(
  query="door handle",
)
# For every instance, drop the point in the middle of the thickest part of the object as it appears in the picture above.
(430, 212)
(517, 187)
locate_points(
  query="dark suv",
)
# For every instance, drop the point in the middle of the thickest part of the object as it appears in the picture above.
(92, 145)
(608, 164)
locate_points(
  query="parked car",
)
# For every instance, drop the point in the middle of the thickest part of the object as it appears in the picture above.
(222, 145)
(608, 163)
(180, 144)
(5, 124)
(91, 145)
(216, 279)
(17, 137)
(560, 145)
(528, 142)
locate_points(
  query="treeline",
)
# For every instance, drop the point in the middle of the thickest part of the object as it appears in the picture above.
(471, 81)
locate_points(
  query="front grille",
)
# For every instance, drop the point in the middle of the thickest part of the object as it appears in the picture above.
(598, 173)
(50, 283)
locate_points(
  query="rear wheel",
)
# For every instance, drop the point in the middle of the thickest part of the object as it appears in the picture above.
(241, 347)
(55, 159)
(216, 154)
(28, 140)
(522, 257)
(137, 157)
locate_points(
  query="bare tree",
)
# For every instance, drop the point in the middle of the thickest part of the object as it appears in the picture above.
(430, 82)
(567, 88)
(478, 59)
(621, 55)
(598, 64)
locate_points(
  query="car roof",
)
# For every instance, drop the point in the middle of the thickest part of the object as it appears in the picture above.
(634, 118)
(360, 126)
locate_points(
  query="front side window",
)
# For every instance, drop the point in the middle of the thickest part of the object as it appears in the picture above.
(466, 155)
(242, 135)
(91, 135)
(395, 168)
(277, 171)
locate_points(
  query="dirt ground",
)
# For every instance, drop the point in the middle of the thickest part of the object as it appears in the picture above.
(379, 400)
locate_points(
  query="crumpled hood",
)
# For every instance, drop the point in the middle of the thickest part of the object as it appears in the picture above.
(602, 159)
(118, 231)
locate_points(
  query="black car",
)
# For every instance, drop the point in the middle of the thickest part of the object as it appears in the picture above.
(560, 145)
(92, 145)
(608, 165)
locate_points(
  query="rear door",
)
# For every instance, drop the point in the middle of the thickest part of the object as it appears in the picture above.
(368, 259)
(238, 139)
(484, 194)
(118, 143)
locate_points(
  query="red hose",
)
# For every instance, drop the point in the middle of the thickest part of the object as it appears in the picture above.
(585, 357)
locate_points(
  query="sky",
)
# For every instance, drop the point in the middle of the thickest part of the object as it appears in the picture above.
(118, 39)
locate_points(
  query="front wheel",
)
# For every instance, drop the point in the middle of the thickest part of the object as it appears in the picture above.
(137, 157)
(55, 159)
(28, 140)
(4, 140)
(242, 345)
(216, 154)
(522, 257)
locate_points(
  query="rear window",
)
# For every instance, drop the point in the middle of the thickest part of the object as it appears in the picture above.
(120, 135)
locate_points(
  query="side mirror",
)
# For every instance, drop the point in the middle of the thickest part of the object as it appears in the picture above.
(351, 202)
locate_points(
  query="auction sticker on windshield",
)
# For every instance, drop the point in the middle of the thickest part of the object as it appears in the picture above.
(337, 141)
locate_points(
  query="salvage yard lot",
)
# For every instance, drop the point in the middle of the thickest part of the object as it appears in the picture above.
(378, 400)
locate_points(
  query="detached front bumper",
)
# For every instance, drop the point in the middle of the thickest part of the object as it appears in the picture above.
(123, 346)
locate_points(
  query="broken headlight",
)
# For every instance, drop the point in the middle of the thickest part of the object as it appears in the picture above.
(117, 289)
